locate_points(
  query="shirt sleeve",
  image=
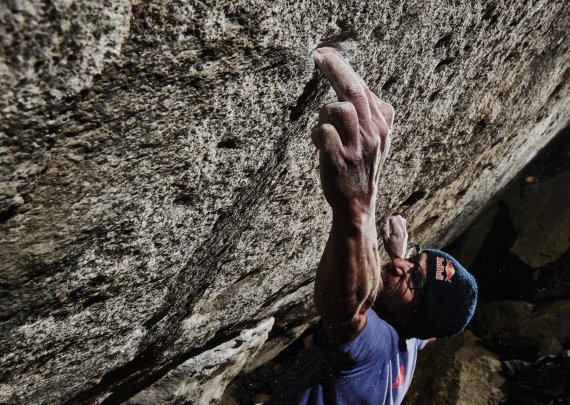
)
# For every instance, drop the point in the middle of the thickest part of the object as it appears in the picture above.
(374, 343)
(421, 343)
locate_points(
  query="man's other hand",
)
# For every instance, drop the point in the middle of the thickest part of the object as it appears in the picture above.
(353, 138)
(395, 237)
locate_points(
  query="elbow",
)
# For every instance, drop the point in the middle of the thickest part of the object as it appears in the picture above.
(338, 312)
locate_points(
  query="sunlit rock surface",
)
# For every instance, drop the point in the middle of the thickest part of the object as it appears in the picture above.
(203, 378)
(159, 192)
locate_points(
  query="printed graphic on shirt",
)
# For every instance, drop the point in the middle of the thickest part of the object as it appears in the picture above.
(445, 270)
(401, 379)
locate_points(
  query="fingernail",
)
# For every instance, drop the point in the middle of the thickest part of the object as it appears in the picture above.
(318, 55)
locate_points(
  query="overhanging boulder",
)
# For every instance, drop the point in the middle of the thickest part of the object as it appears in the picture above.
(159, 189)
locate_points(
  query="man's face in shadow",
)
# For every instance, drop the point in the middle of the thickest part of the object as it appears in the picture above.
(399, 300)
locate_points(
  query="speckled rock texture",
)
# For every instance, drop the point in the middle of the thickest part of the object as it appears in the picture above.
(203, 378)
(159, 191)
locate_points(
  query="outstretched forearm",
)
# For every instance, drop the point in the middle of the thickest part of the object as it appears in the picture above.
(353, 138)
(347, 276)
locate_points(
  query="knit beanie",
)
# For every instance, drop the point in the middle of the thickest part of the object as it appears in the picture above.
(449, 297)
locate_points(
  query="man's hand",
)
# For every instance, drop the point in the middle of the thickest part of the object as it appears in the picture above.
(395, 237)
(353, 138)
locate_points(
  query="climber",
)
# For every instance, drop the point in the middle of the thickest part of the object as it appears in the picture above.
(373, 322)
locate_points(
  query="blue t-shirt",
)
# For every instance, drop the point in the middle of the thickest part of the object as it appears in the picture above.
(371, 369)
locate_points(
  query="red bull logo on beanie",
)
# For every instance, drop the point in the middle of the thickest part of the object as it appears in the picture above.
(445, 270)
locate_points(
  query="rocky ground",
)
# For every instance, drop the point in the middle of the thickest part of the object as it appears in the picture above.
(519, 251)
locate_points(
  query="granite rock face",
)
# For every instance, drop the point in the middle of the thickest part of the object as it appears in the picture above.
(159, 191)
(203, 378)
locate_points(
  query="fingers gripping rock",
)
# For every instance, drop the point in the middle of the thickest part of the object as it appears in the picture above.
(353, 137)
(342, 115)
(326, 138)
(345, 82)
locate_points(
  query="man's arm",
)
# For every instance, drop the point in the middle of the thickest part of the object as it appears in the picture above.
(353, 138)
(348, 276)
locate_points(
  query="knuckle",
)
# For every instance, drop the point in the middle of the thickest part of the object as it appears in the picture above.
(372, 143)
(346, 111)
(382, 128)
(327, 129)
(353, 90)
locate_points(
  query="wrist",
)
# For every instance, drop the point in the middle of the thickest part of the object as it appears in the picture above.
(355, 221)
